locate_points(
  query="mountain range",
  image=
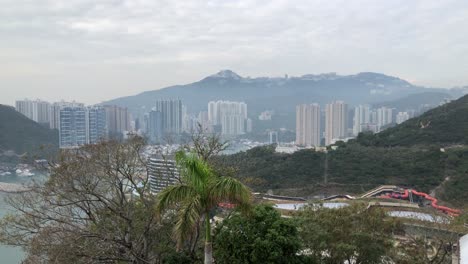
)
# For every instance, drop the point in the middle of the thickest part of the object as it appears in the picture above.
(282, 94)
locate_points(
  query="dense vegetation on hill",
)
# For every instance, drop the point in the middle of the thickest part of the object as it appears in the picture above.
(456, 186)
(409, 155)
(262, 168)
(444, 125)
(20, 134)
(356, 168)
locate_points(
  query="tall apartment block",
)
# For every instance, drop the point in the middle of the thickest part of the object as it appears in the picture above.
(54, 119)
(36, 110)
(163, 172)
(362, 118)
(118, 120)
(73, 127)
(230, 116)
(155, 127)
(308, 125)
(81, 125)
(384, 116)
(171, 111)
(402, 117)
(336, 120)
(96, 124)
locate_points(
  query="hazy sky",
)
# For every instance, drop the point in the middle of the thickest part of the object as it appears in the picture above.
(93, 50)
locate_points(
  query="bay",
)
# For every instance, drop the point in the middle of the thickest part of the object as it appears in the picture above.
(9, 254)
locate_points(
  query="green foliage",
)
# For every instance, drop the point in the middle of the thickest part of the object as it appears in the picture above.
(178, 258)
(198, 194)
(444, 125)
(371, 166)
(261, 237)
(456, 186)
(265, 169)
(20, 134)
(87, 210)
(351, 233)
(349, 165)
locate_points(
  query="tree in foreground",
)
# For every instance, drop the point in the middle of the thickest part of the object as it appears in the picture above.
(196, 196)
(260, 237)
(94, 208)
(352, 234)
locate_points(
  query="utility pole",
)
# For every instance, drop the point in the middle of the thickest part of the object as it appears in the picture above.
(325, 172)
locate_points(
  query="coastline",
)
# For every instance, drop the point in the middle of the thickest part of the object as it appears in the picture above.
(13, 188)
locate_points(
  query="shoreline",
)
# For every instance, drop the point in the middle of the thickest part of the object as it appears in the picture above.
(13, 188)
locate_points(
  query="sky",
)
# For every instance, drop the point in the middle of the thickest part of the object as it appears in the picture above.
(91, 51)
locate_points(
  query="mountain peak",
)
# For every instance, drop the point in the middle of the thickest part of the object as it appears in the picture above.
(226, 74)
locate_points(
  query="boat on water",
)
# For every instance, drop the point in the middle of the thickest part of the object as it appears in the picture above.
(24, 173)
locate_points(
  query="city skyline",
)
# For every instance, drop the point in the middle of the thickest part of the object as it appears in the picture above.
(94, 52)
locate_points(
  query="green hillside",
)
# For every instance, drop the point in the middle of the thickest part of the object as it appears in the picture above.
(443, 125)
(408, 155)
(20, 134)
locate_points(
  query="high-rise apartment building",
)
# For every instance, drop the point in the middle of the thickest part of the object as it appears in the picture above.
(248, 125)
(80, 125)
(231, 116)
(72, 127)
(163, 172)
(54, 119)
(118, 120)
(36, 110)
(336, 116)
(171, 111)
(96, 124)
(155, 127)
(362, 118)
(308, 125)
(402, 117)
(204, 122)
(384, 116)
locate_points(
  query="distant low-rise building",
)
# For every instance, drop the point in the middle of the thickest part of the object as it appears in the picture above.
(265, 115)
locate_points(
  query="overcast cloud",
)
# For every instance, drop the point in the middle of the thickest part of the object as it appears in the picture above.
(97, 50)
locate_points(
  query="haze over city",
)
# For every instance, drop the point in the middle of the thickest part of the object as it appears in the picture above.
(91, 52)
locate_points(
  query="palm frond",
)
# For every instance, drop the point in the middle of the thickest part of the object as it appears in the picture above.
(173, 195)
(228, 189)
(188, 216)
(194, 171)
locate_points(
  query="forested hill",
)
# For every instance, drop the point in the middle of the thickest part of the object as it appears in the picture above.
(443, 125)
(406, 155)
(20, 134)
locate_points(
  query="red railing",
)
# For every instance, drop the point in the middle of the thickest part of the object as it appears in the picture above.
(405, 195)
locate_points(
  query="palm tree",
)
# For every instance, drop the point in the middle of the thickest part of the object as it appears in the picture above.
(199, 191)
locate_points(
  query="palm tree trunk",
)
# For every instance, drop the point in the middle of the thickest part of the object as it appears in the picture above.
(208, 244)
